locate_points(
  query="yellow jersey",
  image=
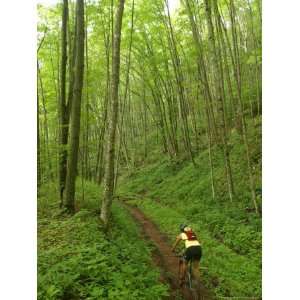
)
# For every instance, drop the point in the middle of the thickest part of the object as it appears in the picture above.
(188, 243)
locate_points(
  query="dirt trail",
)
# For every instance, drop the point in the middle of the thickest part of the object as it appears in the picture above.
(164, 258)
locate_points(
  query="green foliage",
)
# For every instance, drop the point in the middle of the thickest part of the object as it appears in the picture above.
(231, 232)
(225, 271)
(77, 261)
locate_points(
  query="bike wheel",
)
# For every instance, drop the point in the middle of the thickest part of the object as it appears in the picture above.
(190, 276)
(180, 267)
(191, 283)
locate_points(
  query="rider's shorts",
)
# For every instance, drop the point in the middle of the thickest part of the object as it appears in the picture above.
(193, 252)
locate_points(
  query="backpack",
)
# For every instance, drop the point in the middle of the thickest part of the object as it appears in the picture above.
(191, 236)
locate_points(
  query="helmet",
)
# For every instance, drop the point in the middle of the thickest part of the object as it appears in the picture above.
(182, 226)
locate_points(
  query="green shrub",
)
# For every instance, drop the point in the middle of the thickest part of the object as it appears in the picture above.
(232, 228)
(77, 261)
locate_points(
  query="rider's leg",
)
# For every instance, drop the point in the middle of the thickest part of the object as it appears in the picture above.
(183, 270)
(197, 254)
(195, 268)
(180, 268)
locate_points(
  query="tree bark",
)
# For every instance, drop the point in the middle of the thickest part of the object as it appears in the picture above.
(62, 104)
(87, 171)
(122, 110)
(113, 118)
(38, 141)
(76, 109)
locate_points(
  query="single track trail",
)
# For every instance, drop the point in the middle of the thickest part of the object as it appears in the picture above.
(164, 258)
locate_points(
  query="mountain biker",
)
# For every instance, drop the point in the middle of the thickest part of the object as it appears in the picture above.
(193, 250)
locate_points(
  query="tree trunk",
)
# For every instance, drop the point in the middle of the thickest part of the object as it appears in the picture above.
(46, 129)
(113, 118)
(62, 104)
(38, 142)
(203, 74)
(244, 130)
(217, 63)
(67, 107)
(76, 109)
(122, 110)
(179, 80)
(86, 173)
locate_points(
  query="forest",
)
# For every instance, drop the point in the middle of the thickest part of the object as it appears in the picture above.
(148, 116)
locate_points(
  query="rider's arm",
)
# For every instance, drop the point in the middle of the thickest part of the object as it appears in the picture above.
(178, 239)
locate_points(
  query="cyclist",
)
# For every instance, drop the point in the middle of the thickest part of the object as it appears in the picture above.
(193, 250)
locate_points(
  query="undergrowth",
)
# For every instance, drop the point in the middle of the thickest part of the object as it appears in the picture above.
(225, 272)
(231, 231)
(76, 260)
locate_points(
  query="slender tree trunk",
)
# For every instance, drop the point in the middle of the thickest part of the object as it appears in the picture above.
(158, 100)
(122, 111)
(217, 61)
(244, 130)
(62, 104)
(202, 70)
(113, 118)
(46, 129)
(238, 120)
(206, 92)
(39, 166)
(179, 81)
(86, 173)
(101, 145)
(212, 180)
(65, 118)
(76, 109)
(56, 83)
(257, 69)
(145, 121)
(38, 142)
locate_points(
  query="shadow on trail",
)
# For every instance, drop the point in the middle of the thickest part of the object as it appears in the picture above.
(164, 258)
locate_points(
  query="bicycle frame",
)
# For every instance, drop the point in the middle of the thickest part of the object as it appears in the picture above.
(189, 271)
(189, 274)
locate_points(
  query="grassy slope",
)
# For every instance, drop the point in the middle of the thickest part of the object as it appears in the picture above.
(231, 232)
(77, 261)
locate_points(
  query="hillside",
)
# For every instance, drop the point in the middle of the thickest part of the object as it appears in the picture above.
(174, 193)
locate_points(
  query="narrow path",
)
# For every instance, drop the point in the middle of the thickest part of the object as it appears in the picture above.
(163, 257)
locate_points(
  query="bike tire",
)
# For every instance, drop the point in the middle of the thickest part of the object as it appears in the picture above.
(190, 281)
(191, 284)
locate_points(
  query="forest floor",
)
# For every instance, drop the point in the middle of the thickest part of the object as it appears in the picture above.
(164, 258)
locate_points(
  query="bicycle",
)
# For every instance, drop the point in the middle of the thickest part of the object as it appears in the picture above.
(191, 282)
(189, 272)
